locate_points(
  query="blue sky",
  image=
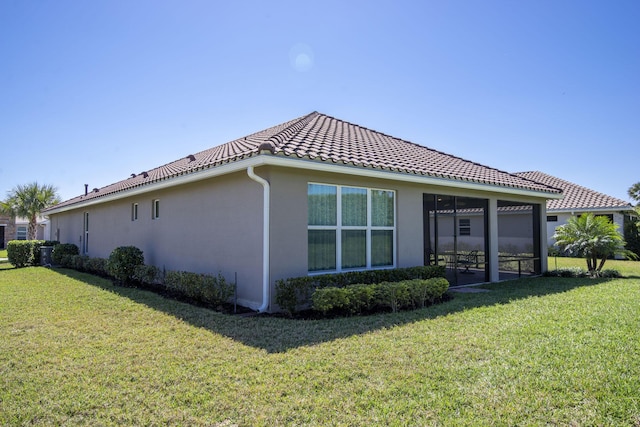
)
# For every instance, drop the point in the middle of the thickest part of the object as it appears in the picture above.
(92, 91)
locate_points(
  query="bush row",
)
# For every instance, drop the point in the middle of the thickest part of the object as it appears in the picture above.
(581, 272)
(415, 293)
(126, 266)
(24, 253)
(296, 292)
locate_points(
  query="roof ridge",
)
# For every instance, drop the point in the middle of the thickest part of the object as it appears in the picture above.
(275, 141)
(519, 175)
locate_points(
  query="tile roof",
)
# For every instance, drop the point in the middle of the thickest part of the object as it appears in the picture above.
(322, 138)
(575, 196)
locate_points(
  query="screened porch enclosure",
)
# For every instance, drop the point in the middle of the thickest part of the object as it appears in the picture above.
(518, 240)
(456, 230)
(457, 235)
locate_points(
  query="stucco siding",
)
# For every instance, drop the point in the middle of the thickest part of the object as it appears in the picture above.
(206, 227)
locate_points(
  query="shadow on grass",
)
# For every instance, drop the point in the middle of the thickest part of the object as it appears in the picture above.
(276, 334)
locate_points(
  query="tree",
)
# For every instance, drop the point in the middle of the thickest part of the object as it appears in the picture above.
(594, 237)
(28, 201)
(634, 192)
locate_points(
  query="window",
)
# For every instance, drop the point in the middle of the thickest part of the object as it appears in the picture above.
(350, 227)
(464, 227)
(85, 245)
(552, 218)
(134, 212)
(155, 209)
(21, 233)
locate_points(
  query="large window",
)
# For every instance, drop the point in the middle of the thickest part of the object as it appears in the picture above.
(350, 227)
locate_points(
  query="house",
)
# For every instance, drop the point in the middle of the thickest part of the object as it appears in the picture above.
(17, 229)
(7, 230)
(578, 200)
(312, 195)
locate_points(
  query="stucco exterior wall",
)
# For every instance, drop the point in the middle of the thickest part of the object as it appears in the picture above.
(209, 226)
(215, 225)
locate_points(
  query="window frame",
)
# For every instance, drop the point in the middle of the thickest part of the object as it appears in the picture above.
(20, 229)
(368, 228)
(155, 209)
(134, 211)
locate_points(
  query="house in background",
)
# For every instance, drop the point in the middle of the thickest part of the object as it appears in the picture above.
(7, 230)
(578, 200)
(312, 195)
(17, 229)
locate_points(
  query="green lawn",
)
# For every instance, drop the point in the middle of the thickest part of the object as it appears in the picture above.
(3, 253)
(75, 350)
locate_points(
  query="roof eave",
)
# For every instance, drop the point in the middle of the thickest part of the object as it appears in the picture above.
(314, 165)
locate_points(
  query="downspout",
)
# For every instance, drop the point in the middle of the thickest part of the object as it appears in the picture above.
(265, 238)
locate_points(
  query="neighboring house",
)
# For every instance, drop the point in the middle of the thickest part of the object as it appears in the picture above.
(578, 200)
(17, 229)
(7, 230)
(22, 227)
(309, 196)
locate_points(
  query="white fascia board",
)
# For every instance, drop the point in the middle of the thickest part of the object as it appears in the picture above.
(587, 209)
(404, 177)
(299, 163)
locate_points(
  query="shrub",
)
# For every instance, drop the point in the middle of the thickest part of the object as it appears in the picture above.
(61, 254)
(427, 291)
(23, 253)
(212, 290)
(362, 297)
(567, 272)
(78, 262)
(394, 295)
(147, 275)
(97, 266)
(296, 292)
(327, 299)
(50, 243)
(613, 274)
(123, 261)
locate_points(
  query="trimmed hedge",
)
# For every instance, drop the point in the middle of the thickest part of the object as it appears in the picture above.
(416, 293)
(123, 261)
(24, 253)
(212, 290)
(62, 253)
(296, 292)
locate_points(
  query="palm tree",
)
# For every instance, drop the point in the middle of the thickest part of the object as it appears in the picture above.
(28, 201)
(634, 192)
(594, 237)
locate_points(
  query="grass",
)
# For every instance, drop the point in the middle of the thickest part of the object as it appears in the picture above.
(3, 253)
(75, 350)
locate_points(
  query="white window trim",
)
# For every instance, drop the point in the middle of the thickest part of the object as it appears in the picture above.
(155, 209)
(369, 228)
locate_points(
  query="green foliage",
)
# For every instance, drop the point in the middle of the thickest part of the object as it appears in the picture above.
(212, 290)
(123, 261)
(296, 292)
(594, 237)
(567, 272)
(61, 254)
(148, 275)
(24, 253)
(416, 293)
(394, 295)
(632, 234)
(28, 201)
(327, 299)
(634, 192)
(97, 266)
